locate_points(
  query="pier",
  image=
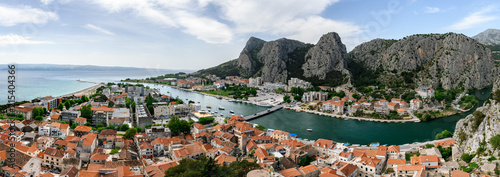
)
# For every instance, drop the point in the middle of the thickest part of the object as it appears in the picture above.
(263, 113)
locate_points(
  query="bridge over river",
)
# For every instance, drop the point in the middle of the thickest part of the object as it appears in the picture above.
(263, 113)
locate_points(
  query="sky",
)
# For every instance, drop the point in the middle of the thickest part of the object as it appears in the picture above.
(197, 34)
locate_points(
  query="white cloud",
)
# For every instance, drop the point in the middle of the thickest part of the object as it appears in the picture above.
(474, 19)
(19, 40)
(98, 29)
(296, 19)
(431, 10)
(10, 16)
(46, 2)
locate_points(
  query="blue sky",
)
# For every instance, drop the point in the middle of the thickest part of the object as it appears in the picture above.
(196, 34)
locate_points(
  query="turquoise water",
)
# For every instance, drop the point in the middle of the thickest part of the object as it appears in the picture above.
(31, 84)
(352, 131)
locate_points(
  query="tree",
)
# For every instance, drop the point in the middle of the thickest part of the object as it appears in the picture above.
(86, 112)
(74, 125)
(467, 157)
(207, 167)
(496, 95)
(444, 134)
(253, 92)
(85, 98)
(60, 106)
(67, 104)
(286, 98)
(261, 127)
(177, 126)
(139, 129)
(39, 118)
(111, 104)
(151, 109)
(129, 134)
(124, 127)
(306, 161)
(297, 97)
(495, 141)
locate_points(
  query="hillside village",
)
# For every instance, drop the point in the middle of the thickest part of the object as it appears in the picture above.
(107, 142)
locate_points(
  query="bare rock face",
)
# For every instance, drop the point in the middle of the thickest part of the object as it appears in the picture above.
(488, 37)
(473, 131)
(274, 56)
(327, 55)
(247, 61)
(452, 59)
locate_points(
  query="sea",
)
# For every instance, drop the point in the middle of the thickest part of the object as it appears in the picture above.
(38, 83)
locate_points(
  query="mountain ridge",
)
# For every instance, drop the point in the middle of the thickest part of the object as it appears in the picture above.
(450, 60)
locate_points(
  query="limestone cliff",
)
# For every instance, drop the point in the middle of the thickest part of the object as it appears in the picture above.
(327, 55)
(475, 131)
(454, 60)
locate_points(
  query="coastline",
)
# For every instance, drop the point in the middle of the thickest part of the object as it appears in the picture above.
(86, 91)
(413, 120)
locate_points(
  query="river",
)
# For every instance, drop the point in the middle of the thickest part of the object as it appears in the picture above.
(352, 131)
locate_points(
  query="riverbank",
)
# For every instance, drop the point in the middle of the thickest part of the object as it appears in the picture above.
(251, 100)
(413, 119)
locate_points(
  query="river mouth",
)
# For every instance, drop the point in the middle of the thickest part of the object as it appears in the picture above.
(339, 130)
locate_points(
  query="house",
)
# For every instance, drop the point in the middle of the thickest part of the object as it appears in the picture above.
(69, 172)
(292, 172)
(281, 135)
(146, 149)
(116, 122)
(53, 158)
(224, 159)
(345, 156)
(334, 106)
(98, 158)
(198, 128)
(158, 170)
(263, 156)
(70, 116)
(54, 129)
(369, 166)
(101, 114)
(324, 147)
(341, 169)
(22, 110)
(445, 144)
(82, 130)
(86, 146)
(393, 106)
(81, 121)
(309, 171)
(408, 170)
(425, 92)
(415, 104)
(402, 111)
(459, 173)
(391, 163)
(394, 152)
(429, 161)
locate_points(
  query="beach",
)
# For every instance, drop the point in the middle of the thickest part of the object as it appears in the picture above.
(87, 91)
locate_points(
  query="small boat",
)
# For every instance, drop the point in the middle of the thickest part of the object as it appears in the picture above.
(310, 130)
(222, 115)
(221, 108)
(209, 106)
(215, 111)
(231, 111)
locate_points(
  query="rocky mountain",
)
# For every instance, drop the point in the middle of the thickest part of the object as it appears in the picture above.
(329, 54)
(488, 37)
(279, 60)
(473, 133)
(453, 60)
